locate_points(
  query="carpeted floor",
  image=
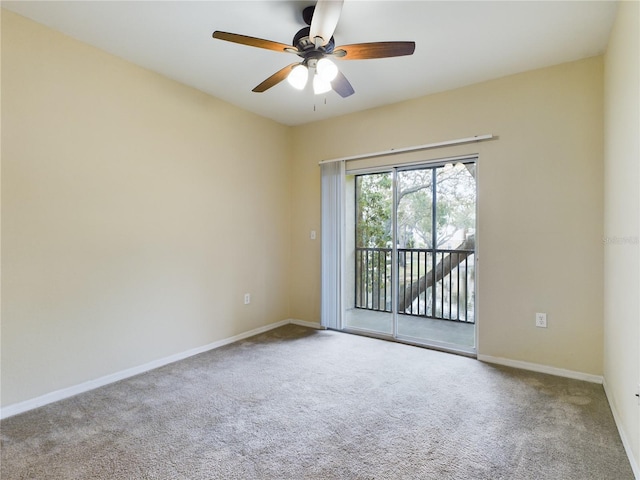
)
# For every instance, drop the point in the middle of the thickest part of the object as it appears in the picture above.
(297, 403)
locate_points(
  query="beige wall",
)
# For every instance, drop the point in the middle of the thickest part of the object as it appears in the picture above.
(622, 223)
(540, 203)
(135, 214)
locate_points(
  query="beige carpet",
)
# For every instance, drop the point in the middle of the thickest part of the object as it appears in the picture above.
(296, 403)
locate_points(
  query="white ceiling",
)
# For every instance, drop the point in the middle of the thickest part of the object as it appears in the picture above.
(457, 43)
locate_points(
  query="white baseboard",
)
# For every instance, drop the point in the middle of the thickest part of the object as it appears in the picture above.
(304, 323)
(61, 394)
(535, 367)
(621, 431)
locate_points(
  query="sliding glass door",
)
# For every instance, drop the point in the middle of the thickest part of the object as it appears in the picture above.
(410, 254)
(369, 265)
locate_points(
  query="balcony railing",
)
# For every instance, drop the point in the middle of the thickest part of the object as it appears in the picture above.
(432, 283)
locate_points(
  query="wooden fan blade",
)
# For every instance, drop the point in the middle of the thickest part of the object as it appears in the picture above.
(363, 51)
(342, 86)
(274, 79)
(252, 41)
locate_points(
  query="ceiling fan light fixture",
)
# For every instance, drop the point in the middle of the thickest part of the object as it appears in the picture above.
(313, 44)
(298, 77)
(326, 69)
(320, 85)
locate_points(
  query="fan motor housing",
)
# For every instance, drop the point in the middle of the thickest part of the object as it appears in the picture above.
(304, 44)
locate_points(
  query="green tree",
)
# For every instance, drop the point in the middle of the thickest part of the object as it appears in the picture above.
(373, 210)
(455, 192)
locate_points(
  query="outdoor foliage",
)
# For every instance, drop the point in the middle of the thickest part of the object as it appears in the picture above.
(373, 215)
(455, 216)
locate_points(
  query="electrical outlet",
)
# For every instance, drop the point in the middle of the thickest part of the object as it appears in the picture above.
(247, 298)
(312, 235)
(541, 320)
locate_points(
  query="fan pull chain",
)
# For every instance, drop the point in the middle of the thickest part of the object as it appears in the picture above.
(314, 105)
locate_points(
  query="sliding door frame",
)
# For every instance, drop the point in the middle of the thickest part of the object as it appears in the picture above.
(395, 336)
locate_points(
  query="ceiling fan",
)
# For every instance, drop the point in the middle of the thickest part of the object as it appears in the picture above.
(316, 46)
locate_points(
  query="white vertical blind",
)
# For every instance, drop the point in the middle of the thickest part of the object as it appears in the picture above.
(332, 234)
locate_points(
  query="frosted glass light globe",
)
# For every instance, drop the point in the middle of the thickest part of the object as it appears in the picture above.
(298, 77)
(326, 69)
(320, 85)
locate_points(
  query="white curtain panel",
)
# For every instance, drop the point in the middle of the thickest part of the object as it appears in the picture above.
(332, 234)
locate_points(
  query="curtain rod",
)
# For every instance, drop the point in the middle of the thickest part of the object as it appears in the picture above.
(393, 151)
